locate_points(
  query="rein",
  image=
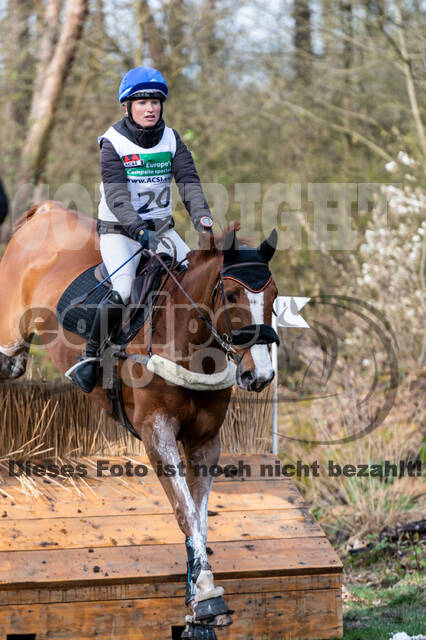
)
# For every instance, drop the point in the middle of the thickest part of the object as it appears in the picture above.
(225, 341)
(247, 336)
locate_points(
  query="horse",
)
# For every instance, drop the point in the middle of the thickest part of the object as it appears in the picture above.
(51, 245)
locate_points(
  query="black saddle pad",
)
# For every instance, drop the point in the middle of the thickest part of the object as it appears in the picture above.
(79, 319)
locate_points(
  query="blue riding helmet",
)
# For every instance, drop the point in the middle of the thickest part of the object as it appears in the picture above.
(143, 82)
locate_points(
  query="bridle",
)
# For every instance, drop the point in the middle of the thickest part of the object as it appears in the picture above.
(248, 336)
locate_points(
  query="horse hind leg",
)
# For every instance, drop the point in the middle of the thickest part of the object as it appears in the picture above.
(13, 366)
(16, 333)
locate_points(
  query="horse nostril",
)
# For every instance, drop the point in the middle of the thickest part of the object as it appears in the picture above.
(247, 378)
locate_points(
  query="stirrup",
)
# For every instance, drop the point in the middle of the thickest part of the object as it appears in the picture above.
(68, 374)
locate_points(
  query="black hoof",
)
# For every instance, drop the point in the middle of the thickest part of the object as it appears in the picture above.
(198, 632)
(213, 612)
(86, 376)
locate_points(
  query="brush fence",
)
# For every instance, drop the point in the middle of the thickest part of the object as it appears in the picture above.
(62, 421)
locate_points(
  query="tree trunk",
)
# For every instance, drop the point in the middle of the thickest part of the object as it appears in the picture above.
(153, 36)
(45, 101)
(347, 28)
(17, 91)
(49, 32)
(302, 40)
(409, 80)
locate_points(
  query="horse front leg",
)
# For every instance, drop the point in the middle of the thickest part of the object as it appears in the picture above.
(159, 437)
(206, 600)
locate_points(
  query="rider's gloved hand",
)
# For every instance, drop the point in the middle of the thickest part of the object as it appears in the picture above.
(148, 239)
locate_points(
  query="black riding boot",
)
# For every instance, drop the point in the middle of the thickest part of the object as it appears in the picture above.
(108, 315)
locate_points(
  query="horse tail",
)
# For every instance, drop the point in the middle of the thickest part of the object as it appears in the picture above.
(24, 218)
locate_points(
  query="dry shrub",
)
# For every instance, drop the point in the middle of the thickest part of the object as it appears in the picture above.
(351, 507)
(57, 421)
(247, 425)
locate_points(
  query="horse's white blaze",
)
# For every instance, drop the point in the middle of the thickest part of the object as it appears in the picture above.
(259, 352)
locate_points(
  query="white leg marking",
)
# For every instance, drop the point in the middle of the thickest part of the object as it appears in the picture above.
(10, 349)
(169, 452)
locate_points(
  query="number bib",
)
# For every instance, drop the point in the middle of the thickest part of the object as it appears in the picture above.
(149, 175)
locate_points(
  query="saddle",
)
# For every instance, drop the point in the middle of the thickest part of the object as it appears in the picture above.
(145, 286)
(78, 320)
(146, 276)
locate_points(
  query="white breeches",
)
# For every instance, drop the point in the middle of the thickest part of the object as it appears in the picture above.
(116, 249)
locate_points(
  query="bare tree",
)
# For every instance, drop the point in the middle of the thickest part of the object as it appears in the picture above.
(51, 77)
(302, 39)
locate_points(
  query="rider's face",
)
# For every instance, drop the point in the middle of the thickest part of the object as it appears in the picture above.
(146, 112)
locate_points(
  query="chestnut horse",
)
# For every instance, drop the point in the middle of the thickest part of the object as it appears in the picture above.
(50, 247)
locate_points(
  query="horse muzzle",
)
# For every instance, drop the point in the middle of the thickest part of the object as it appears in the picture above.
(255, 338)
(249, 381)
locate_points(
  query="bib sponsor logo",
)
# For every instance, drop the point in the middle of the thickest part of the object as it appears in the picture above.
(133, 160)
(147, 164)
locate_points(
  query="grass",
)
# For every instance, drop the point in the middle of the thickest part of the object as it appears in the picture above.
(384, 587)
(376, 613)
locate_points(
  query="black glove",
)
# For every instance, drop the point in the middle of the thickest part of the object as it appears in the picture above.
(148, 239)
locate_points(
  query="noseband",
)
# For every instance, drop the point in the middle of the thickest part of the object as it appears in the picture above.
(248, 336)
(253, 333)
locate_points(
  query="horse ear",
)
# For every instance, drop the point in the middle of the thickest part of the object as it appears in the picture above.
(230, 244)
(268, 246)
(206, 242)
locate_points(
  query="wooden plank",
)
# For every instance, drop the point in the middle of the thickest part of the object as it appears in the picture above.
(120, 591)
(151, 499)
(151, 529)
(108, 565)
(287, 616)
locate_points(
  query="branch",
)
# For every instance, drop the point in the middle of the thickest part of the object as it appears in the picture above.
(354, 114)
(337, 127)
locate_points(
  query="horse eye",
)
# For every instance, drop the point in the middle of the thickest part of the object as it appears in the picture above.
(231, 298)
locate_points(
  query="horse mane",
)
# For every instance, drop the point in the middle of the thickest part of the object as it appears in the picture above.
(23, 219)
(198, 256)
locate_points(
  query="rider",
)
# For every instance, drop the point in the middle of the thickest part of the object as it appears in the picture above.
(139, 157)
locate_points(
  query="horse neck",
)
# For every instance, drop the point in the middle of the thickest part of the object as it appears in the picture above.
(198, 282)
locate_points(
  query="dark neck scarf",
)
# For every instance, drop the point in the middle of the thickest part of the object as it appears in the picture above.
(146, 137)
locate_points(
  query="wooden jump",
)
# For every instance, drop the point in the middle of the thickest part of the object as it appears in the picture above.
(110, 563)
